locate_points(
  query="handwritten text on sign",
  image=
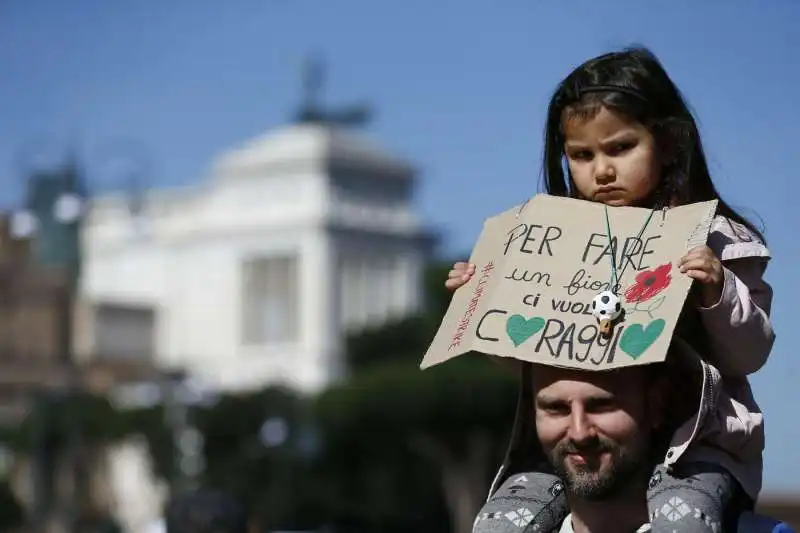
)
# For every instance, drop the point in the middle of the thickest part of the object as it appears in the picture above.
(539, 268)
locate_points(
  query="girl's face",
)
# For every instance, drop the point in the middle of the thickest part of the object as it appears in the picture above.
(613, 160)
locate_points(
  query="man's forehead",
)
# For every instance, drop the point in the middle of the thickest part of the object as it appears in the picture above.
(567, 379)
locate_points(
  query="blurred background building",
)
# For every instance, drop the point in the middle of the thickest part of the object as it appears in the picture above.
(247, 279)
(252, 276)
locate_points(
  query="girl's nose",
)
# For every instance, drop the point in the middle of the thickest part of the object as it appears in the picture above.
(604, 171)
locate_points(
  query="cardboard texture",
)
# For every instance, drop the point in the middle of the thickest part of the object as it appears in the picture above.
(540, 265)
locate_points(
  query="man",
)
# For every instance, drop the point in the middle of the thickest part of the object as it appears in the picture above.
(206, 511)
(600, 434)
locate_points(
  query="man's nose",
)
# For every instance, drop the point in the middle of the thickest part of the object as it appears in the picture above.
(581, 428)
(604, 172)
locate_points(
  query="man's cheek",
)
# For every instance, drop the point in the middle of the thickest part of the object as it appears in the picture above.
(547, 433)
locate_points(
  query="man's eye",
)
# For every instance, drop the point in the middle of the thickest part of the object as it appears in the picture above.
(604, 405)
(555, 409)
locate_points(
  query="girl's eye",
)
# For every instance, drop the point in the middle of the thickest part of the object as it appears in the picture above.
(582, 155)
(621, 147)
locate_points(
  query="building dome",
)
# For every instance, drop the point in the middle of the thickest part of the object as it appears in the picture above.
(314, 144)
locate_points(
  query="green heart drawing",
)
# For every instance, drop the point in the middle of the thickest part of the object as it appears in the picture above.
(637, 338)
(519, 329)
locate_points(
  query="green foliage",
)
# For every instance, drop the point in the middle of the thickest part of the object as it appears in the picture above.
(268, 479)
(372, 425)
(437, 297)
(11, 514)
(58, 416)
(397, 342)
(448, 400)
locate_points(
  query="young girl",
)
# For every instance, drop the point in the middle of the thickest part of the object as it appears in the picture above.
(623, 133)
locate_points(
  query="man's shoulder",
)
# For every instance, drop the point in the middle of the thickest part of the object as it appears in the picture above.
(527, 497)
(521, 500)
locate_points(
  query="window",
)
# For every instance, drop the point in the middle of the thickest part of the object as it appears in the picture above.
(124, 332)
(270, 300)
(370, 291)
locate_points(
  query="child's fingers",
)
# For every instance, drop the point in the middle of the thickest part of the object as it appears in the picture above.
(459, 275)
(455, 273)
(697, 252)
(455, 283)
(697, 263)
(700, 276)
(460, 269)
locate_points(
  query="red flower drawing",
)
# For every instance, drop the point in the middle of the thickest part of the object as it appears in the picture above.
(649, 283)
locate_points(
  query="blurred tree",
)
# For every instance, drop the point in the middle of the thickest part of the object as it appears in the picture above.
(98, 424)
(406, 449)
(94, 416)
(11, 513)
(255, 448)
(399, 443)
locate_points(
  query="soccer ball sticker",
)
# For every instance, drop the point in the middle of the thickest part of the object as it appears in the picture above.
(606, 308)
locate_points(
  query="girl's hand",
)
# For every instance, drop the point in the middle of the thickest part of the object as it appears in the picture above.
(459, 275)
(702, 264)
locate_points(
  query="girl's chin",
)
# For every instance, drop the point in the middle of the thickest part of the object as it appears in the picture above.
(616, 202)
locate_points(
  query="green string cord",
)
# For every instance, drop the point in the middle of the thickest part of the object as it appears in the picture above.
(615, 278)
(613, 281)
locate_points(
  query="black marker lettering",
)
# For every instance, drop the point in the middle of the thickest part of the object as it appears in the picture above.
(630, 248)
(529, 238)
(547, 338)
(547, 239)
(480, 323)
(587, 340)
(566, 339)
(514, 234)
(646, 251)
(530, 299)
(591, 244)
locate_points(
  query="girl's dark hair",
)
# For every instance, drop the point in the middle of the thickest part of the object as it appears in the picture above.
(633, 83)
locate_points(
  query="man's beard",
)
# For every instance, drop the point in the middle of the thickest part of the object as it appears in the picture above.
(593, 480)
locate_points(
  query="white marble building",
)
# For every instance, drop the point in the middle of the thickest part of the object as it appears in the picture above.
(252, 276)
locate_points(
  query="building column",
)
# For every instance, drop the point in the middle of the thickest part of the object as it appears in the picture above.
(320, 310)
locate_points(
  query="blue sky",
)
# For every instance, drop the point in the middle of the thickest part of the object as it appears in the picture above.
(460, 88)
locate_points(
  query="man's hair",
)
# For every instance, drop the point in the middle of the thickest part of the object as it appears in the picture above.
(206, 511)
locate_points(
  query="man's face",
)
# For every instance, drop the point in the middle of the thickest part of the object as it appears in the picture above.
(594, 428)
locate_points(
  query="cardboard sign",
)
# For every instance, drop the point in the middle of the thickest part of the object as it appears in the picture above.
(539, 267)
